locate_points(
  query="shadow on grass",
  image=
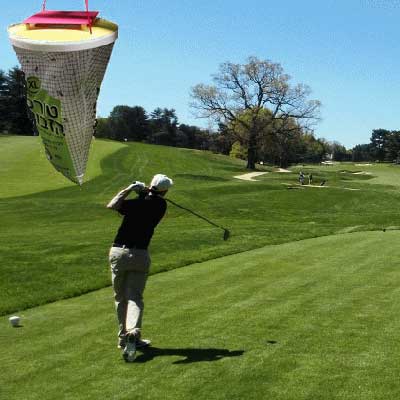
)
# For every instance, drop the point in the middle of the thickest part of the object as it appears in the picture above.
(190, 355)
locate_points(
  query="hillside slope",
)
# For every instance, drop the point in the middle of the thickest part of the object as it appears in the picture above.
(55, 236)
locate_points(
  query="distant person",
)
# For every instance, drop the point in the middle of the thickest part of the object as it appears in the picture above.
(129, 257)
(301, 178)
(310, 179)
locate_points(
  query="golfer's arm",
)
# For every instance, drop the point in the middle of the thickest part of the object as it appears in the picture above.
(116, 202)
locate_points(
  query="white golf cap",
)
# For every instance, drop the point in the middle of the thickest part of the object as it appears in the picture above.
(161, 183)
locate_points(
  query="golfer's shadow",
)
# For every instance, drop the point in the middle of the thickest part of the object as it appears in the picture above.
(189, 355)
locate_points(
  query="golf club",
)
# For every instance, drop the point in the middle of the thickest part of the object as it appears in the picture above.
(226, 231)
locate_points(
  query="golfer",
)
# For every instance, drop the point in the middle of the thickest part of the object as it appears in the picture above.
(129, 257)
(301, 178)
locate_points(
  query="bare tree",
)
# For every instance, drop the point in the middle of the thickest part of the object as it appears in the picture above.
(249, 88)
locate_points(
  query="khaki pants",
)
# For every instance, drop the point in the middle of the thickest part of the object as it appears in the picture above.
(129, 268)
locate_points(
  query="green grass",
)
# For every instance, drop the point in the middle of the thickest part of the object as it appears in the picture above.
(293, 306)
(25, 169)
(55, 236)
(313, 319)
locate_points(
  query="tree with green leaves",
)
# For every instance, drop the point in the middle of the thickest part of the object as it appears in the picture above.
(392, 147)
(263, 137)
(3, 102)
(362, 152)
(164, 126)
(189, 136)
(314, 149)
(102, 129)
(339, 152)
(16, 118)
(252, 87)
(238, 151)
(127, 122)
(379, 139)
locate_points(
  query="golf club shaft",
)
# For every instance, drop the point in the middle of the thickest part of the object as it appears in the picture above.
(194, 213)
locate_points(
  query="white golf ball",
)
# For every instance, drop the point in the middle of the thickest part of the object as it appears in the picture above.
(14, 320)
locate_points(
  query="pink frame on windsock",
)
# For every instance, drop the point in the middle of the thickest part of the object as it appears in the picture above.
(47, 17)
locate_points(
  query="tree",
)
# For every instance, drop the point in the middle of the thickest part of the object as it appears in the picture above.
(253, 87)
(102, 129)
(313, 149)
(189, 136)
(222, 140)
(362, 152)
(164, 126)
(238, 151)
(287, 140)
(392, 146)
(238, 130)
(127, 122)
(339, 152)
(14, 106)
(3, 102)
(378, 143)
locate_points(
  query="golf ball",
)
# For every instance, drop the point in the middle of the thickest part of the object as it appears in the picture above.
(14, 320)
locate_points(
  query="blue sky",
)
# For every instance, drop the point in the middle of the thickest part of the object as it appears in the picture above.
(348, 52)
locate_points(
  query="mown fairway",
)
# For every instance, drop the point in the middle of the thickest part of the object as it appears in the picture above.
(313, 319)
(55, 236)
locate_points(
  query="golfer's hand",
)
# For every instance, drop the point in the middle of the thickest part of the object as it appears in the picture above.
(137, 187)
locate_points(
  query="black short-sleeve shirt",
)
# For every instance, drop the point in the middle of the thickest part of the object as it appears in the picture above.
(141, 216)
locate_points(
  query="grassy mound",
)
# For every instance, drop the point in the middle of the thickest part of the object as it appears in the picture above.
(313, 319)
(55, 236)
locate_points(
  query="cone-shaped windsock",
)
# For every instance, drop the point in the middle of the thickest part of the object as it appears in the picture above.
(64, 64)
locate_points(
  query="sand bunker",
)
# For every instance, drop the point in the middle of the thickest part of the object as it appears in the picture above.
(362, 173)
(250, 176)
(282, 170)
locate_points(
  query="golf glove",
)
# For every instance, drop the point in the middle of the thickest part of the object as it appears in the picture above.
(137, 186)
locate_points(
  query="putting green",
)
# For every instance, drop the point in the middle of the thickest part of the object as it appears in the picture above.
(313, 319)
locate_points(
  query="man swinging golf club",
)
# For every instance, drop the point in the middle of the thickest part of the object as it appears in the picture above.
(129, 257)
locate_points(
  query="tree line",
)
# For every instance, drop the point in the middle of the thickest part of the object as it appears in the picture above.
(257, 115)
(384, 146)
(161, 126)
